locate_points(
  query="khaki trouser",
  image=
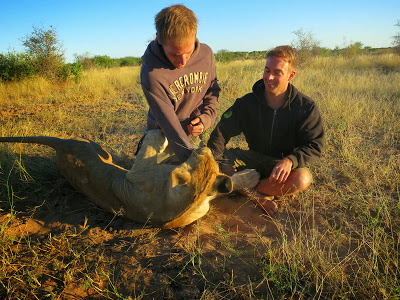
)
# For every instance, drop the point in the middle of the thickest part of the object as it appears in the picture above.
(248, 159)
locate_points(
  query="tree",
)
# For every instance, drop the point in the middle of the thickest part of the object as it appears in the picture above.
(353, 49)
(306, 45)
(45, 50)
(396, 39)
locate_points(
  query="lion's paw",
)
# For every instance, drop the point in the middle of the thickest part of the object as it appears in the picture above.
(247, 178)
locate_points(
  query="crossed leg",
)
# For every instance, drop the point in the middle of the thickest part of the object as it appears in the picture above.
(265, 191)
(298, 180)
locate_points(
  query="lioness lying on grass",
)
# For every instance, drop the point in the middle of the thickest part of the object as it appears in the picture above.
(152, 192)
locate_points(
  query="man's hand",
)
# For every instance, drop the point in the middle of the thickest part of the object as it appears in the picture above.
(281, 171)
(195, 127)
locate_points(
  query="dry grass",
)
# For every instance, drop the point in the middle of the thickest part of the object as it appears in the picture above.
(339, 239)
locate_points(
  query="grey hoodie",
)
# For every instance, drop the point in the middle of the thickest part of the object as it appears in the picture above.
(177, 96)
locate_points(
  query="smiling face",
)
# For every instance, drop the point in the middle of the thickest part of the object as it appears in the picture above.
(277, 74)
(179, 53)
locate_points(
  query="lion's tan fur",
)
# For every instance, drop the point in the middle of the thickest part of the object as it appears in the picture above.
(153, 191)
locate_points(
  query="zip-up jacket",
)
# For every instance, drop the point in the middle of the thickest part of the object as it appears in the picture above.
(294, 130)
(178, 95)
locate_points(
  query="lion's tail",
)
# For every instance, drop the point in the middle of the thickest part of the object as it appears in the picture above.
(52, 142)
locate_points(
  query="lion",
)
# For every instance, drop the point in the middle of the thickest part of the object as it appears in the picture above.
(153, 191)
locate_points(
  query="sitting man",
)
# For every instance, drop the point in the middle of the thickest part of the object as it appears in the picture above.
(283, 129)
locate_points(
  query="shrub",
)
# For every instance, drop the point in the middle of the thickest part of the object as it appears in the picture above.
(228, 56)
(104, 61)
(76, 70)
(130, 61)
(353, 49)
(224, 56)
(67, 70)
(15, 66)
(85, 60)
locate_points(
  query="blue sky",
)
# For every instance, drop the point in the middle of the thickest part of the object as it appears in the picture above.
(120, 28)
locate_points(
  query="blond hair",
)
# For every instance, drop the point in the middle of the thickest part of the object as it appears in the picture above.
(176, 22)
(287, 53)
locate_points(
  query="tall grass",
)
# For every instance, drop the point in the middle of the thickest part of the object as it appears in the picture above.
(106, 106)
(354, 251)
(338, 240)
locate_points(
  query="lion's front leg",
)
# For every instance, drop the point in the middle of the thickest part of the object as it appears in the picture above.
(154, 151)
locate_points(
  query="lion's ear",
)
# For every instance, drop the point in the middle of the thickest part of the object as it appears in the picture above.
(179, 176)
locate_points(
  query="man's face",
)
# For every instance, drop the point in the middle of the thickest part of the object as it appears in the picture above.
(277, 75)
(179, 54)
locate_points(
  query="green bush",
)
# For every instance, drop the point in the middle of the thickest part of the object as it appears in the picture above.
(130, 61)
(76, 70)
(104, 61)
(67, 70)
(15, 66)
(226, 56)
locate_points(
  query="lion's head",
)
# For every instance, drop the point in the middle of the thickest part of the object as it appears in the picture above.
(198, 181)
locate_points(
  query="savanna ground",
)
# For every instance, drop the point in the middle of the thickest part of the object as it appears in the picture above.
(338, 240)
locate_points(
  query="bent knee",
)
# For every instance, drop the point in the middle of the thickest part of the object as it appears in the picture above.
(303, 178)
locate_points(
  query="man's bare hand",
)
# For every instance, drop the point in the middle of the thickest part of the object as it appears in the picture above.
(281, 171)
(195, 127)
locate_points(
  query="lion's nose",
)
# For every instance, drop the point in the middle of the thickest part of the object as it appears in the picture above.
(224, 184)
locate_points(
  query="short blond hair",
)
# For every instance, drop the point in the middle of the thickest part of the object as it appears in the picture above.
(176, 22)
(288, 53)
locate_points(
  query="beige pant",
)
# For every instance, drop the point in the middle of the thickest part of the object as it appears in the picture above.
(247, 159)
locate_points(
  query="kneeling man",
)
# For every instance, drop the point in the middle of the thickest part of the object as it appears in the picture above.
(283, 129)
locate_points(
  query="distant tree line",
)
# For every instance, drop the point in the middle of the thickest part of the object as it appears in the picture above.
(104, 61)
(305, 55)
(44, 56)
(308, 47)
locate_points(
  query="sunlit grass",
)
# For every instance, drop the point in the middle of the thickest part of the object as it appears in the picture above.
(339, 239)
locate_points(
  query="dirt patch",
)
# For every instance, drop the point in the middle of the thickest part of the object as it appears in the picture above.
(87, 253)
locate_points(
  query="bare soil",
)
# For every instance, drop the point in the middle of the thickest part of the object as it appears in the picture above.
(218, 256)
